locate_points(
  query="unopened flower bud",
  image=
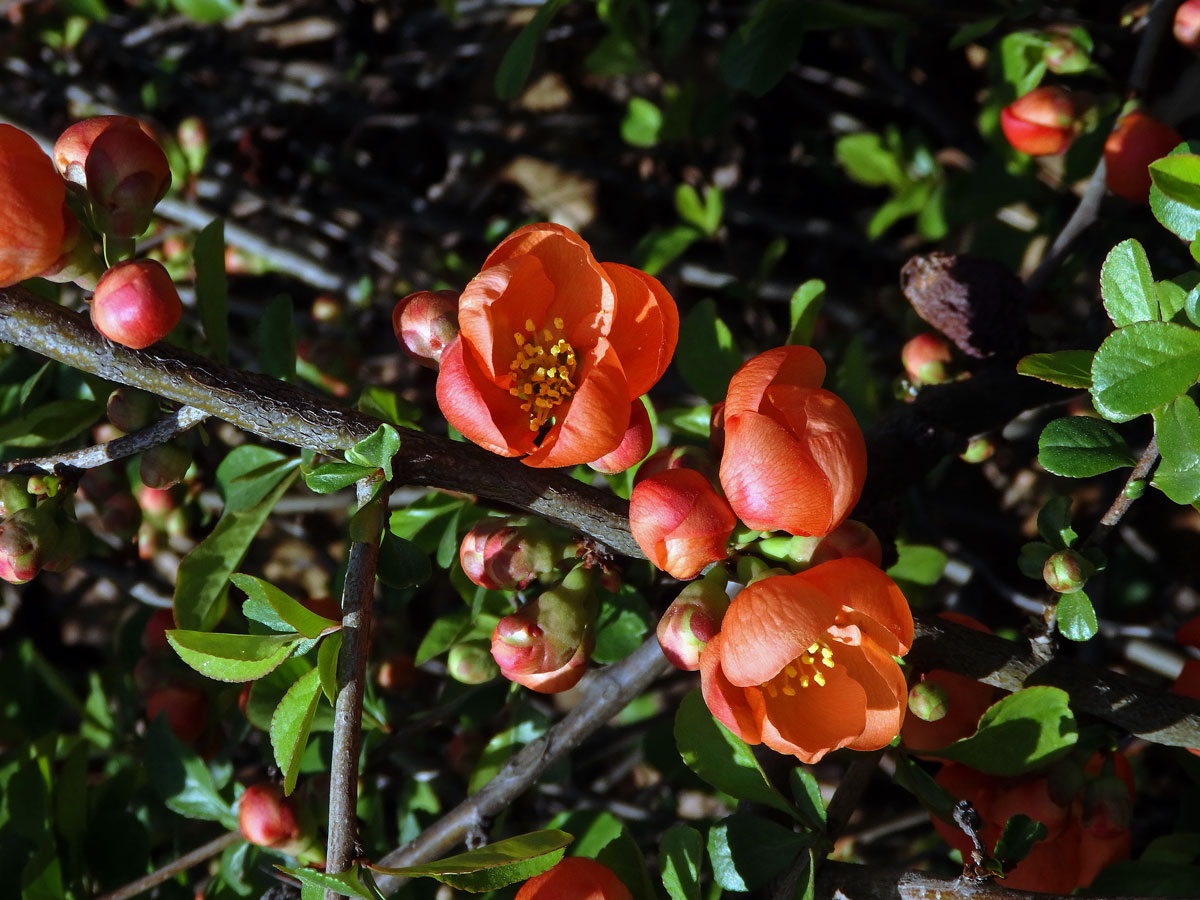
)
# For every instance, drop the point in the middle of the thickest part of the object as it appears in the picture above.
(267, 818)
(44, 485)
(77, 260)
(164, 466)
(1043, 122)
(925, 358)
(397, 673)
(136, 303)
(979, 448)
(928, 701)
(1064, 56)
(193, 141)
(692, 620)
(681, 523)
(545, 644)
(1067, 571)
(25, 539)
(1138, 140)
(425, 324)
(850, 539)
(635, 444)
(130, 409)
(508, 553)
(686, 457)
(471, 662)
(1187, 24)
(186, 710)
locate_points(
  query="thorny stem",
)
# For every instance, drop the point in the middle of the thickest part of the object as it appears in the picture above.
(173, 868)
(357, 597)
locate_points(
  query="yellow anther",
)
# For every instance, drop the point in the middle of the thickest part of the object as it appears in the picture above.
(529, 324)
(771, 690)
(806, 659)
(803, 681)
(819, 679)
(519, 338)
(791, 671)
(789, 691)
(814, 647)
(827, 653)
(558, 323)
(827, 663)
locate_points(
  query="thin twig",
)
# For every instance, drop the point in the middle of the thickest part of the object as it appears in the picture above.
(173, 868)
(357, 599)
(1126, 497)
(160, 432)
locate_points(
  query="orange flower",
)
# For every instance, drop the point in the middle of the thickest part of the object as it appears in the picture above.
(794, 457)
(554, 349)
(804, 662)
(32, 223)
(681, 523)
(575, 878)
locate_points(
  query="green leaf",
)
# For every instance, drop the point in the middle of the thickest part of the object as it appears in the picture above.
(918, 563)
(1019, 835)
(807, 794)
(53, 423)
(275, 335)
(623, 621)
(1021, 60)
(747, 851)
(327, 666)
(302, 619)
(518, 59)
(1032, 559)
(680, 855)
(720, 757)
(1019, 733)
(248, 473)
(232, 657)
(377, 450)
(207, 10)
(1127, 285)
(402, 564)
(908, 201)
(291, 724)
(624, 857)
(804, 307)
(869, 161)
(389, 406)
(330, 477)
(1070, 368)
(1175, 194)
(442, 635)
(1076, 617)
(704, 215)
(494, 866)
(642, 124)
(1177, 429)
(706, 356)
(921, 785)
(181, 778)
(761, 51)
(267, 692)
(1142, 366)
(1081, 446)
(212, 288)
(1146, 879)
(347, 884)
(202, 581)
(1054, 523)
(661, 247)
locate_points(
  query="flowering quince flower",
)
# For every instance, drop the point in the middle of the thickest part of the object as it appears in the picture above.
(575, 878)
(554, 349)
(679, 520)
(804, 663)
(33, 219)
(794, 456)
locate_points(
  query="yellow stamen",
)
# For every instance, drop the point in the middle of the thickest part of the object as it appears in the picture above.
(803, 669)
(542, 372)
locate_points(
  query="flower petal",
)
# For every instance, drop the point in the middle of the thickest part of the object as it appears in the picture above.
(486, 414)
(794, 365)
(817, 719)
(726, 701)
(869, 592)
(769, 624)
(645, 328)
(886, 693)
(496, 305)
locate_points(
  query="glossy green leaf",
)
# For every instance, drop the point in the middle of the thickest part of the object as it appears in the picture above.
(494, 866)
(442, 635)
(212, 286)
(232, 657)
(1019, 733)
(642, 124)
(807, 794)
(747, 851)
(1076, 617)
(1054, 523)
(804, 308)
(680, 855)
(1142, 366)
(275, 336)
(347, 884)
(918, 782)
(868, 161)
(402, 564)
(327, 666)
(1177, 430)
(661, 247)
(761, 51)
(720, 757)
(248, 473)
(377, 450)
(202, 581)
(1032, 559)
(302, 619)
(1175, 194)
(624, 858)
(706, 356)
(1081, 446)
(1070, 368)
(1127, 285)
(207, 10)
(334, 476)
(518, 59)
(181, 777)
(918, 563)
(267, 692)
(52, 423)
(1018, 837)
(291, 724)
(389, 406)
(623, 621)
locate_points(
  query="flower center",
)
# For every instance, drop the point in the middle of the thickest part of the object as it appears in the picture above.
(803, 670)
(542, 372)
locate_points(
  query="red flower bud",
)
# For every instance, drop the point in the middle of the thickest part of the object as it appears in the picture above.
(850, 539)
(266, 817)
(471, 663)
(186, 710)
(154, 501)
(1067, 571)
(508, 553)
(634, 446)
(1138, 140)
(154, 635)
(136, 303)
(396, 673)
(1042, 122)
(692, 620)
(545, 644)
(22, 545)
(1187, 24)
(32, 226)
(925, 358)
(425, 324)
(681, 523)
(575, 878)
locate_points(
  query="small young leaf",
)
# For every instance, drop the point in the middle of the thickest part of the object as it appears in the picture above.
(330, 477)
(377, 450)
(1142, 366)
(679, 855)
(327, 666)
(1076, 617)
(494, 866)
(1070, 368)
(347, 883)
(1127, 286)
(390, 406)
(761, 51)
(442, 635)
(720, 757)
(1054, 523)
(212, 288)
(918, 563)
(302, 619)
(291, 724)
(868, 161)
(661, 247)
(232, 657)
(1177, 429)
(249, 472)
(1175, 193)
(1032, 559)
(518, 59)
(1080, 447)
(642, 124)
(804, 308)
(807, 794)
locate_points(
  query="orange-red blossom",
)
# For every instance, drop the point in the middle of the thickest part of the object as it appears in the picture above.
(32, 216)
(554, 349)
(794, 456)
(575, 878)
(804, 663)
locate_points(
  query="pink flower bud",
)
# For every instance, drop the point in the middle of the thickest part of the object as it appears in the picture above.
(1042, 122)
(681, 523)
(545, 644)
(508, 553)
(471, 662)
(22, 545)
(1187, 24)
(267, 818)
(397, 673)
(136, 303)
(692, 620)
(850, 539)
(1067, 571)
(634, 446)
(925, 358)
(686, 457)
(425, 324)
(186, 710)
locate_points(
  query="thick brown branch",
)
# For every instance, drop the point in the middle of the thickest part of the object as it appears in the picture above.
(853, 882)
